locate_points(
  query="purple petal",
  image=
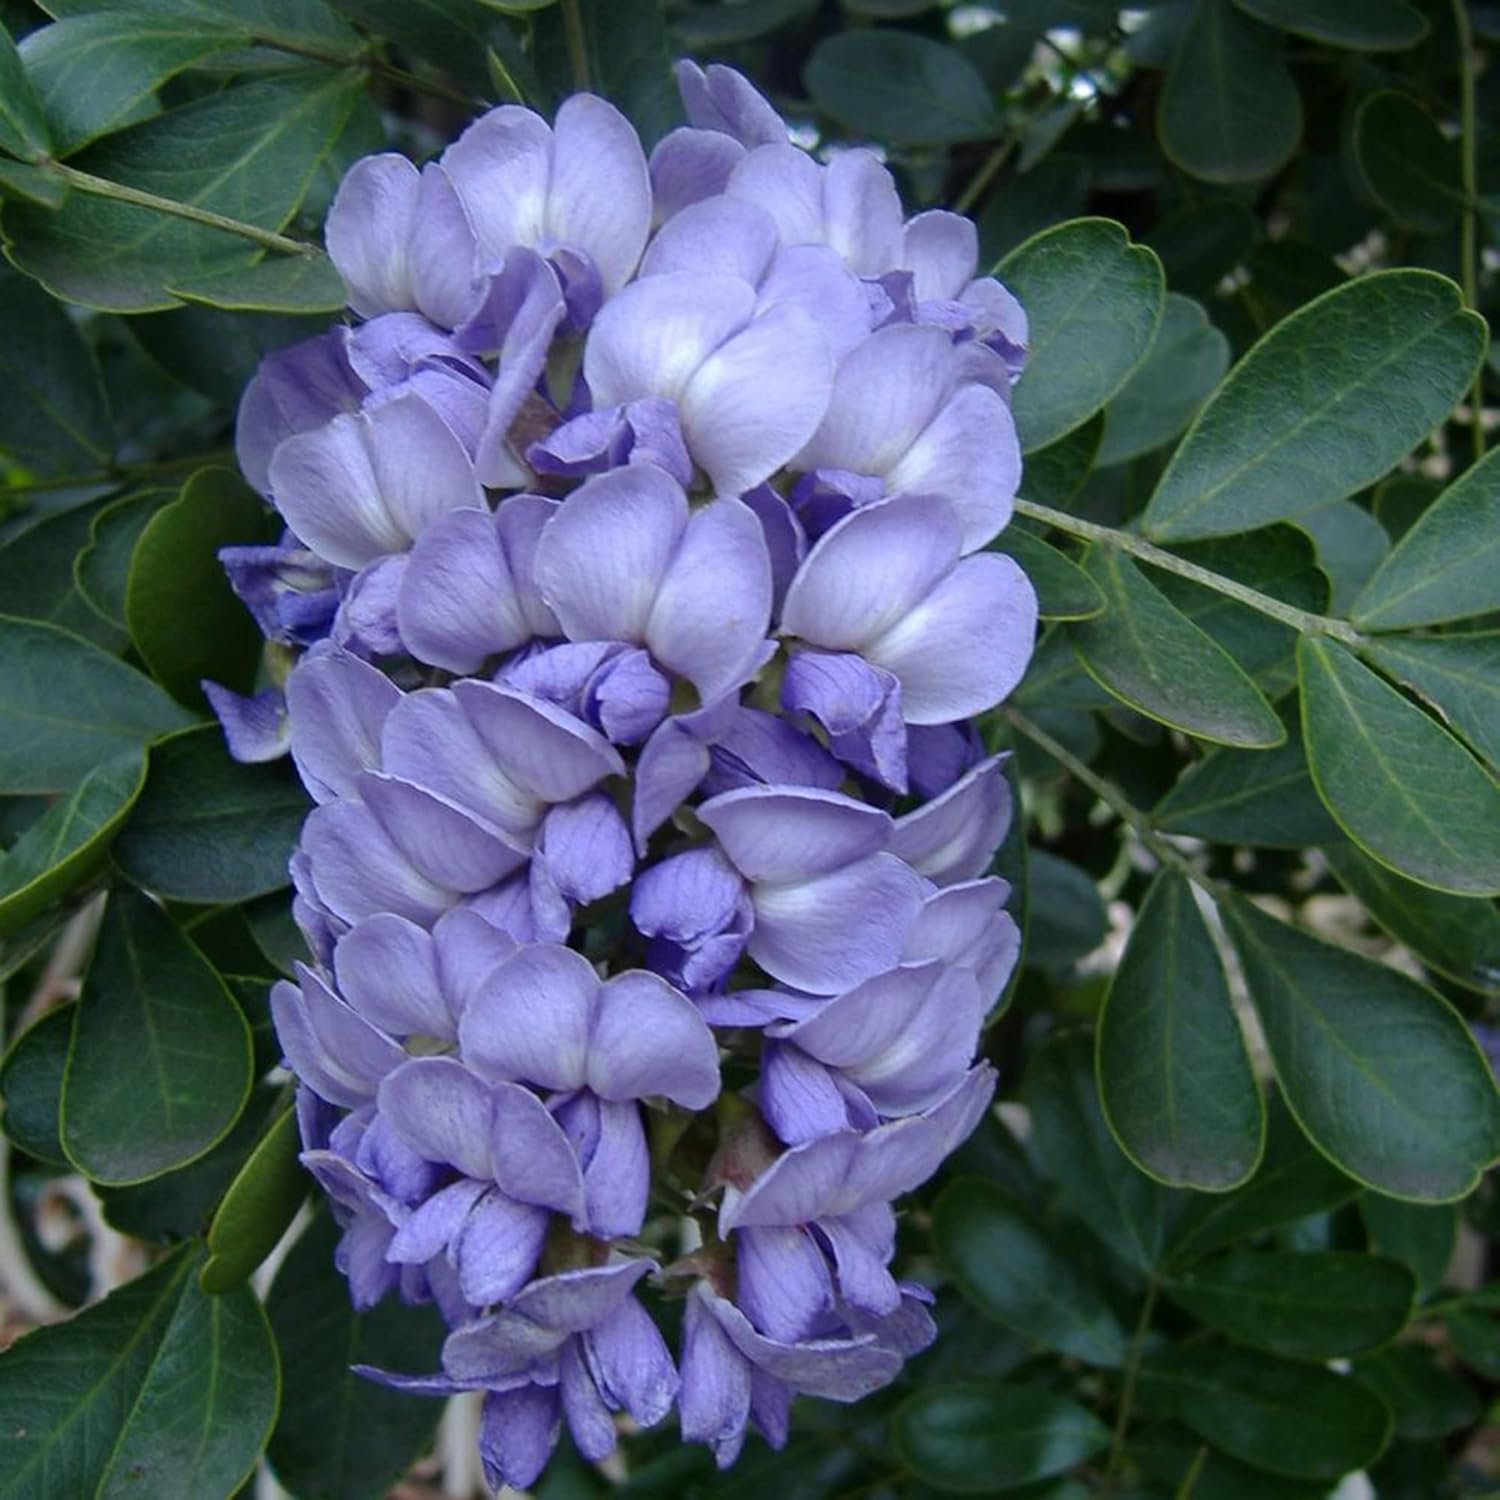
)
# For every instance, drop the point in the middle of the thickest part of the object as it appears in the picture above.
(941, 250)
(862, 212)
(713, 607)
(859, 706)
(494, 1350)
(722, 99)
(783, 1283)
(815, 279)
(686, 897)
(367, 231)
(786, 541)
(435, 1223)
(631, 1364)
(338, 1052)
(441, 842)
(338, 706)
(648, 1039)
(532, 1020)
(610, 1140)
(788, 184)
(783, 834)
(366, 619)
(672, 763)
(442, 1112)
(255, 729)
(715, 1400)
(717, 234)
(864, 1280)
(586, 848)
(798, 1096)
(517, 1434)
(589, 1419)
(954, 837)
(357, 870)
(629, 697)
(690, 165)
(442, 252)
(466, 948)
(575, 1301)
(805, 1183)
(499, 167)
(759, 748)
(531, 1157)
(497, 1248)
(965, 649)
(386, 968)
(967, 926)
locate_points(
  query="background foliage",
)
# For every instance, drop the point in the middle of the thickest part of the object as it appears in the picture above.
(1229, 1236)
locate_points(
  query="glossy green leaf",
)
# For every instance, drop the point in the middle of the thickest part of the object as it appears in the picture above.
(102, 568)
(208, 829)
(452, 36)
(1008, 1267)
(1426, 1399)
(1459, 675)
(1361, 25)
(1380, 1072)
(1151, 656)
(1409, 166)
(1322, 406)
(1398, 784)
(291, 24)
(23, 125)
(96, 73)
(704, 25)
(248, 152)
(279, 283)
(1122, 1206)
(1286, 1418)
(54, 418)
(33, 184)
(185, 619)
(1229, 110)
(1260, 798)
(977, 1438)
(1093, 300)
(1170, 1455)
(1293, 1181)
(1351, 545)
(160, 1063)
(31, 1076)
(1476, 1339)
(1054, 475)
(1200, 243)
(1420, 1235)
(37, 580)
(67, 706)
(341, 1436)
(1458, 936)
(1174, 1077)
(157, 1390)
(1186, 362)
(259, 1204)
(1448, 565)
(1063, 590)
(896, 85)
(1066, 913)
(1319, 1306)
(216, 352)
(67, 843)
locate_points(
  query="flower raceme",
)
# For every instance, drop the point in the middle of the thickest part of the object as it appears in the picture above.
(641, 557)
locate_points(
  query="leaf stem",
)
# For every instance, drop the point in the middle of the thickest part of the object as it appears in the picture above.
(578, 47)
(1468, 248)
(984, 176)
(389, 71)
(102, 187)
(1108, 536)
(1127, 1392)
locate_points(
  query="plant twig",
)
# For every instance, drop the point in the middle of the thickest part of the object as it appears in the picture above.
(118, 473)
(1126, 541)
(102, 187)
(984, 176)
(578, 47)
(1468, 248)
(1127, 1391)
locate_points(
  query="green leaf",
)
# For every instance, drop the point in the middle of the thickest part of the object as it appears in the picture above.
(1351, 545)
(630, 62)
(260, 1203)
(290, 24)
(248, 152)
(67, 707)
(1066, 916)
(452, 34)
(1380, 1072)
(1260, 798)
(1459, 936)
(1063, 590)
(339, 1435)
(1410, 167)
(157, 1390)
(1169, 1455)
(1313, 1306)
(1448, 565)
(1054, 475)
(1093, 301)
(1459, 675)
(1360, 25)
(214, 351)
(1151, 656)
(1322, 406)
(31, 1076)
(1200, 243)
(54, 418)
(279, 283)
(34, 184)
(896, 85)
(1186, 362)
(96, 73)
(1400, 501)
(977, 1438)
(1399, 785)
(1294, 1181)
(160, 1063)
(102, 568)
(67, 843)
(1420, 1235)
(37, 575)
(1285, 1418)
(23, 126)
(185, 620)
(1008, 1267)
(1229, 109)
(1070, 1140)
(1175, 1079)
(1426, 1399)
(208, 829)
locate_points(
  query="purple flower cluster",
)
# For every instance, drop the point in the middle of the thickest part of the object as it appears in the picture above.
(636, 578)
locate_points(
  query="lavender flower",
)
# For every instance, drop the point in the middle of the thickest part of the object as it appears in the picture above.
(636, 552)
